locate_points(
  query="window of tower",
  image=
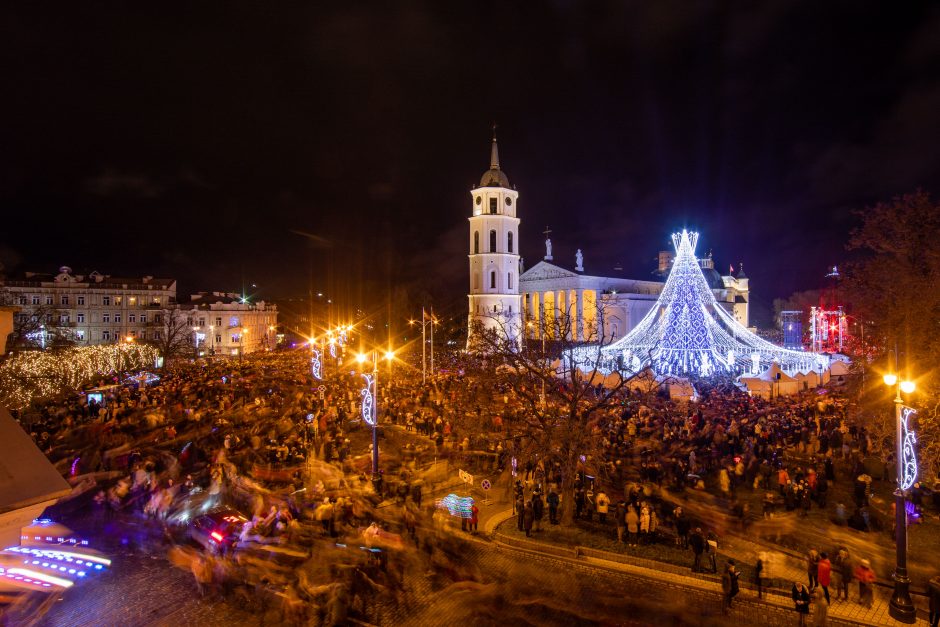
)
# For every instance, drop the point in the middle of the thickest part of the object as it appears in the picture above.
(476, 242)
(493, 241)
(509, 242)
(493, 202)
(509, 280)
(492, 280)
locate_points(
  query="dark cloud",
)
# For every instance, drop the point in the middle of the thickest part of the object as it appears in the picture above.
(112, 183)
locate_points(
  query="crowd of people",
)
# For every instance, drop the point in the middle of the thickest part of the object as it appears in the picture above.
(263, 435)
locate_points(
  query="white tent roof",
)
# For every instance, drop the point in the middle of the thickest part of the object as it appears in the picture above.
(839, 368)
(26, 476)
(771, 374)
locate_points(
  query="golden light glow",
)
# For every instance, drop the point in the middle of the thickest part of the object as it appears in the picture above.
(890, 379)
(129, 339)
(389, 355)
(361, 358)
(907, 386)
(33, 375)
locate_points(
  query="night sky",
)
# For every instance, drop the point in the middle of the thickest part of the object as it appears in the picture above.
(202, 140)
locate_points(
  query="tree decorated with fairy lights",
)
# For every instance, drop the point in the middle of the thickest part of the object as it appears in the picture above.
(688, 332)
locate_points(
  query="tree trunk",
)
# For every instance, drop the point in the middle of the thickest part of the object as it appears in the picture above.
(569, 474)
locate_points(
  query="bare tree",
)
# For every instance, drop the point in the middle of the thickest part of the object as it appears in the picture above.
(37, 326)
(563, 401)
(176, 335)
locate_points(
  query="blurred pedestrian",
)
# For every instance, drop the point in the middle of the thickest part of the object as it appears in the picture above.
(800, 595)
(866, 581)
(823, 574)
(821, 608)
(933, 591)
(729, 585)
(528, 518)
(844, 573)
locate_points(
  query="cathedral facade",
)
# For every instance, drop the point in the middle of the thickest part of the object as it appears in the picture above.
(551, 301)
(571, 304)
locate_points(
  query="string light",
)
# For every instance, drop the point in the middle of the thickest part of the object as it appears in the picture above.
(688, 332)
(32, 375)
(908, 455)
(368, 400)
(459, 506)
(315, 365)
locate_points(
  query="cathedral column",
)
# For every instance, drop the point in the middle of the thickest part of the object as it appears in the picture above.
(561, 321)
(545, 328)
(579, 307)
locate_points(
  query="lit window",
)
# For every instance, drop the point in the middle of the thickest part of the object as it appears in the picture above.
(117, 300)
(132, 300)
(80, 335)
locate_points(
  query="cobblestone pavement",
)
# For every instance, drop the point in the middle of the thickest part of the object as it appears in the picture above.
(514, 586)
(144, 589)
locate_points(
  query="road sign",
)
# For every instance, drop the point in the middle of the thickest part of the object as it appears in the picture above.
(485, 484)
(465, 476)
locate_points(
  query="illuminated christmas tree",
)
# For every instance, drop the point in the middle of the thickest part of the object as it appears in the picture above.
(688, 332)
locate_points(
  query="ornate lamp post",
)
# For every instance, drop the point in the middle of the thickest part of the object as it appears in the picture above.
(901, 607)
(370, 408)
(370, 399)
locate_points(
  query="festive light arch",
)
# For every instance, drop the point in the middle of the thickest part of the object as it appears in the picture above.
(688, 332)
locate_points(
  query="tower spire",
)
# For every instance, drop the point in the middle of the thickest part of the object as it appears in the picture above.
(494, 151)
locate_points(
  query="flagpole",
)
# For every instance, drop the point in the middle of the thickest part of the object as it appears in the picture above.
(424, 372)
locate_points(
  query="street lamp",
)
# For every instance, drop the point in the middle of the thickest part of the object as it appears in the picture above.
(370, 407)
(901, 607)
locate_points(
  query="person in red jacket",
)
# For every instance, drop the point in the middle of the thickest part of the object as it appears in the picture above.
(866, 579)
(824, 574)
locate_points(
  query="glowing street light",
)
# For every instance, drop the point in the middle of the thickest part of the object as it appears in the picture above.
(901, 607)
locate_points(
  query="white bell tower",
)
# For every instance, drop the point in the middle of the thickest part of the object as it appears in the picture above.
(494, 254)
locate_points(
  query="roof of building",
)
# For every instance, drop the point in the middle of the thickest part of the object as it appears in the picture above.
(26, 476)
(91, 280)
(494, 177)
(740, 274)
(713, 278)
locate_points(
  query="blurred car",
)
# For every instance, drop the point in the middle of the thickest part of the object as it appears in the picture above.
(218, 531)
